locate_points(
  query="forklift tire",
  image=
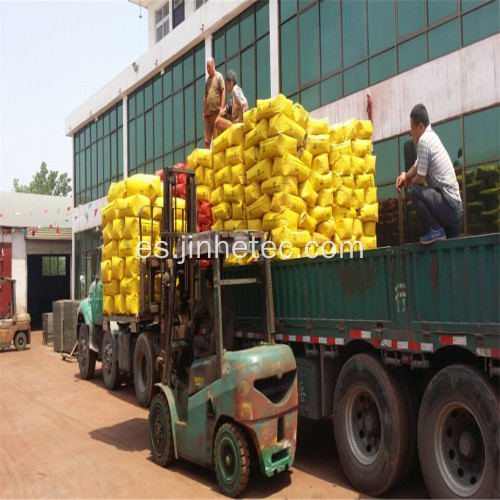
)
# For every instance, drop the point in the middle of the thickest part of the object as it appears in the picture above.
(161, 439)
(231, 459)
(110, 369)
(20, 341)
(86, 356)
(370, 425)
(144, 369)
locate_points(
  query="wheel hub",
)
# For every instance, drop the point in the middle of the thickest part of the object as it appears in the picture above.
(466, 444)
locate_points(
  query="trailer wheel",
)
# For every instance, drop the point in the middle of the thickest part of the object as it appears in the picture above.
(231, 459)
(459, 436)
(144, 368)
(161, 440)
(86, 356)
(370, 424)
(110, 369)
(20, 341)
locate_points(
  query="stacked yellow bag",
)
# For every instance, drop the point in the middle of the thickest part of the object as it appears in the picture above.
(201, 160)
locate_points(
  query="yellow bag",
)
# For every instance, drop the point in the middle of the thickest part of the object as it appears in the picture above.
(106, 271)
(370, 195)
(270, 107)
(117, 190)
(300, 115)
(277, 146)
(259, 207)
(178, 205)
(336, 133)
(317, 127)
(307, 193)
(218, 225)
(233, 193)
(320, 213)
(239, 210)
(361, 147)
(204, 157)
(191, 160)
(249, 119)
(235, 225)
(221, 142)
(257, 134)
(320, 164)
(108, 213)
(130, 285)
(107, 232)
(339, 212)
(219, 160)
(325, 197)
(132, 304)
(289, 164)
(349, 129)
(217, 196)
(297, 237)
(343, 197)
(132, 228)
(238, 175)
(129, 247)
(236, 134)
(222, 211)
(342, 165)
(370, 161)
(326, 228)
(317, 144)
(251, 156)
(289, 253)
(203, 193)
(119, 304)
(223, 176)
(321, 181)
(336, 181)
(107, 305)
(357, 228)
(272, 220)
(348, 181)
(365, 181)
(117, 268)
(358, 165)
(254, 224)
(369, 213)
(281, 124)
(370, 228)
(109, 250)
(200, 175)
(260, 172)
(280, 184)
(111, 288)
(307, 222)
(281, 201)
(143, 184)
(338, 150)
(363, 129)
(344, 228)
(357, 198)
(369, 242)
(306, 157)
(319, 238)
(132, 205)
(252, 193)
(234, 155)
(132, 268)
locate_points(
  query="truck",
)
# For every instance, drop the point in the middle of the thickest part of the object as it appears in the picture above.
(14, 327)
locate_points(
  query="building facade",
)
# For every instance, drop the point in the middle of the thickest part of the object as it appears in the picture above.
(326, 54)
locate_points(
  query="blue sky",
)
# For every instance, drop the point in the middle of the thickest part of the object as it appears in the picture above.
(54, 56)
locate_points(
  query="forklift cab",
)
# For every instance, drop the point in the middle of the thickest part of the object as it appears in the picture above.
(14, 327)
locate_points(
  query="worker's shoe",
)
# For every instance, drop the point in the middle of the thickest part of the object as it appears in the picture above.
(432, 236)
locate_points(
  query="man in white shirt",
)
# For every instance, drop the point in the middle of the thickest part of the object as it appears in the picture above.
(233, 111)
(438, 205)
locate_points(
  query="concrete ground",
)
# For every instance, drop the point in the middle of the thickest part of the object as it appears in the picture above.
(63, 437)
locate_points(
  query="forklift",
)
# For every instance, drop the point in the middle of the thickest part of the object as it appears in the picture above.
(14, 327)
(231, 409)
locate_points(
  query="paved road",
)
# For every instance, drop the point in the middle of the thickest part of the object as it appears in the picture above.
(63, 437)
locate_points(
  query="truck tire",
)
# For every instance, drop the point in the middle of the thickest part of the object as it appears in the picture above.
(144, 369)
(20, 341)
(459, 436)
(231, 460)
(86, 356)
(161, 439)
(110, 368)
(370, 424)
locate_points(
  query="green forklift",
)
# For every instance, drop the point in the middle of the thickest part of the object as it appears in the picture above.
(228, 410)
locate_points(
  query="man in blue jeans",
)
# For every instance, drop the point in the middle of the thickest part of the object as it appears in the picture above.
(438, 205)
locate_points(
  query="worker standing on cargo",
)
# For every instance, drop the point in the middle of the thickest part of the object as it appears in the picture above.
(215, 97)
(438, 205)
(234, 109)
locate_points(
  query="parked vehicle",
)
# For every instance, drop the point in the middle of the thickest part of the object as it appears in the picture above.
(14, 327)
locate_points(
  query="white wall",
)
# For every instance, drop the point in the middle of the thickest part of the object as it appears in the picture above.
(20, 270)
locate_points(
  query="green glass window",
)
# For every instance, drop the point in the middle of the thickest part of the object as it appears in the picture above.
(167, 124)
(177, 76)
(114, 156)
(436, 11)
(132, 155)
(444, 39)
(219, 47)
(309, 98)
(178, 116)
(167, 83)
(188, 69)
(100, 127)
(263, 74)
(148, 96)
(189, 111)
(131, 108)
(232, 38)
(412, 53)
(481, 133)
(199, 61)
(330, 36)
(289, 57)
(481, 23)
(353, 32)
(411, 16)
(450, 134)
(234, 64)
(139, 102)
(387, 168)
(382, 66)
(469, 4)
(120, 153)
(200, 93)
(262, 19)
(248, 75)
(331, 89)
(106, 124)
(309, 46)
(287, 8)
(87, 137)
(157, 90)
(356, 78)
(381, 28)
(247, 29)
(141, 150)
(158, 130)
(148, 124)
(93, 132)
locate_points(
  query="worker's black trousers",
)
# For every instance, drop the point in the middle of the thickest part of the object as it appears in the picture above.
(436, 209)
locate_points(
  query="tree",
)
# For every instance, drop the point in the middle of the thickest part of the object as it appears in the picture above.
(46, 182)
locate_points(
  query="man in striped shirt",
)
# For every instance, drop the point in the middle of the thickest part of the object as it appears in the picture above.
(438, 205)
